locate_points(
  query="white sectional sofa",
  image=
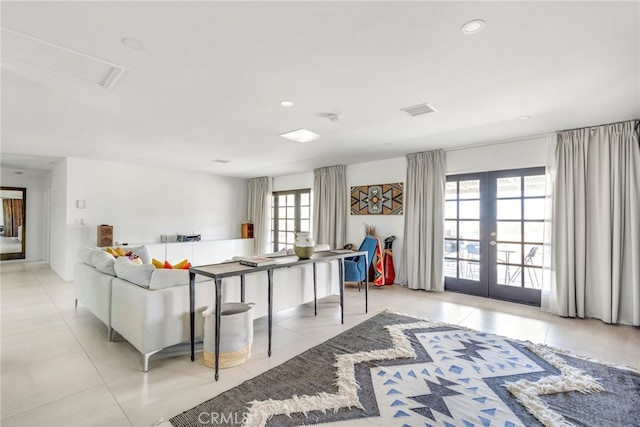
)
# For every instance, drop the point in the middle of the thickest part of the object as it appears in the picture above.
(150, 308)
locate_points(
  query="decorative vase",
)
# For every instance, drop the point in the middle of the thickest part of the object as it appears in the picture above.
(303, 245)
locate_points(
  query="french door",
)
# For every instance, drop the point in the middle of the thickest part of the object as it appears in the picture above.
(494, 228)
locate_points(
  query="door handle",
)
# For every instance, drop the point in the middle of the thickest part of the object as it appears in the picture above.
(492, 243)
(493, 234)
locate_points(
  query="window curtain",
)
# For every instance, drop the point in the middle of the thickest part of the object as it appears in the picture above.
(424, 220)
(596, 224)
(259, 212)
(330, 205)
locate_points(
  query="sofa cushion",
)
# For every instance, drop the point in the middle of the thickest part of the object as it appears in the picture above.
(168, 278)
(139, 274)
(85, 255)
(103, 262)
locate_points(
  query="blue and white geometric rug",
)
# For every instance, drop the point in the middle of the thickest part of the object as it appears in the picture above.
(397, 370)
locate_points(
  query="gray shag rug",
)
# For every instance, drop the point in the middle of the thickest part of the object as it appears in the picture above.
(398, 370)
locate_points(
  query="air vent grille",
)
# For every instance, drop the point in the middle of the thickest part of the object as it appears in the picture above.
(420, 109)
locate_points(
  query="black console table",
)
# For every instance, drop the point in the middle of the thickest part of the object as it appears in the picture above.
(230, 269)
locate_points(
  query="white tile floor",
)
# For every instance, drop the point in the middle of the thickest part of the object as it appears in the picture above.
(59, 370)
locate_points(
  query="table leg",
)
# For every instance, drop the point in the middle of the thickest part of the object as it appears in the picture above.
(315, 291)
(366, 283)
(242, 288)
(341, 276)
(192, 312)
(218, 320)
(270, 304)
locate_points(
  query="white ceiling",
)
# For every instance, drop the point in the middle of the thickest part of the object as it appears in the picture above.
(209, 84)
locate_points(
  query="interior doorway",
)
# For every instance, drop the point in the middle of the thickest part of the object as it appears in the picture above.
(494, 229)
(13, 227)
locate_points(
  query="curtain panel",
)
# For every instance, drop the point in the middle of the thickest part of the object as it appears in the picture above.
(330, 206)
(596, 224)
(424, 220)
(259, 212)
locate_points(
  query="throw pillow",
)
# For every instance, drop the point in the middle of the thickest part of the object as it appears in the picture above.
(85, 255)
(139, 274)
(103, 262)
(181, 264)
(157, 263)
(167, 265)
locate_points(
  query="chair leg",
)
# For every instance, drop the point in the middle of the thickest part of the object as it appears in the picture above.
(359, 285)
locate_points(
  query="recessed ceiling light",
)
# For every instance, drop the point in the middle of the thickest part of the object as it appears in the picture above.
(301, 135)
(524, 117)
(472, 27)
(286, 104)
(134, 44)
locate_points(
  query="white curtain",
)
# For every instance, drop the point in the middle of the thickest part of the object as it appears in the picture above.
(259, 213)
(424, 220)
(330, 205)
(596, 224)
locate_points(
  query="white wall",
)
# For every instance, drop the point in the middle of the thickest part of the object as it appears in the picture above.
(34, 182)
(372, 173)
(142, 203)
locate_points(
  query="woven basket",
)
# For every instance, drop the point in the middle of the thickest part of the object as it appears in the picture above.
(228, 360)
(236, 334)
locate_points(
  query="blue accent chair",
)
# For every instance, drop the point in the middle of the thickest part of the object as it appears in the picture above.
(355, 269)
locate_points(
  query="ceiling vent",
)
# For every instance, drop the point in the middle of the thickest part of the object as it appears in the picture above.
(417, 110)
(46, 56)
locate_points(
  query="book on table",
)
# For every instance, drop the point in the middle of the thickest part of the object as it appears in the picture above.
(257, 261)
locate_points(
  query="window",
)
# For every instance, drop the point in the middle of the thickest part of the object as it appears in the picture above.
(291, 212)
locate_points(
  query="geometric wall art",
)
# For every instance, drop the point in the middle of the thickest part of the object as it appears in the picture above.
(382, 199)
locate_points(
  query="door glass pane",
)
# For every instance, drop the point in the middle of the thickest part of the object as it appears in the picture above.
(450, 268)
(450, 229)
(282, 200)
(451, 209)
(470, 189)
(304, 212)
(534, 185)
(470, 209)
(291, 225)
(452, 190)
(291, 213)
(508, 209)
(533, 255)
(508, 187)
(532, 277)
(534, 208)
(470, 250)
(509, 253)
(509, 231)
(469, 229)
(304, 199)
(533, 231)
(304, 225)
(451, 248)
(469, 270)
(507, 275)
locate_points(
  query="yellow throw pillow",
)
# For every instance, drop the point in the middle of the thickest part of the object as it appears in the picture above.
(111, 251)
(181, 264)
(120, 251)
(157, 264)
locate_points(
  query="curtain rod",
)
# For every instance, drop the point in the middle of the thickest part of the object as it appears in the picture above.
(605, 124)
